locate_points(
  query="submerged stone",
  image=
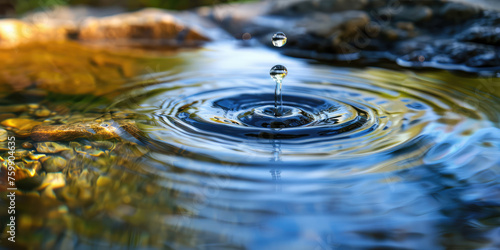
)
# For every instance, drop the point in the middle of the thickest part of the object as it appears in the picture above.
(53, 164)
(30, 183)
(50, 147)
(53, 181)
(87, 130)
(20, 123)
(3, 135)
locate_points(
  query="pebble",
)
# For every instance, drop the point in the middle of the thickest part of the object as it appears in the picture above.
(53, 180)
(29, 183)
(20, 123)
(484, 35)
(27, 145)
(42, 113)
(412, 14)
(458, 11)
(103, 144)
(50, 147)
(3, 135)
(36, 156)
(33, 166)
(53, 164)
(20, 153)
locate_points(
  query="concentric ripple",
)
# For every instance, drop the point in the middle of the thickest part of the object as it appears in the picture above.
(360, 157)
(326, 114)
(251, 115)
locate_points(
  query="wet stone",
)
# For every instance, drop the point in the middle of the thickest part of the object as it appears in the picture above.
(27, 145)
(29, 183)
(4, 146)
(21, 153)
(33, 166)
(88, 130)
(103, 144)
(21, 124)
(53, 181)
(42, 112)
(412, 14)
(53, 164)
(50, 147)
(36, 156)
(3, 135)
(458, 11)
(483, 35)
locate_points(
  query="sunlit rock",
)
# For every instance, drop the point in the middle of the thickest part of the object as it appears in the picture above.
(3, 135)
(90, 130)
(20, 124)
(146, 24)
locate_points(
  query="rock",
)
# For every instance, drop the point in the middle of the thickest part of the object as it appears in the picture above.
(20, 123)
(87, 24)
(104, 181)
(15, 32)
(483, 35)
(406, 26)
(3, 135)
(89, 130)
(4, 146)
(145, 24)
(53, 181)
(324, 25)
(29, 183)
(488, 59)
(414, 14)
(457, 12)
(27, 145)
(53, 164)
(33, 166)
(42, 112)
(20, 153)
(294, 7)
(36, 156)
(107, 145)
(50, 147)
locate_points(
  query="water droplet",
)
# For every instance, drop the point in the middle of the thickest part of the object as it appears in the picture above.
(279, 39)
(278, 72)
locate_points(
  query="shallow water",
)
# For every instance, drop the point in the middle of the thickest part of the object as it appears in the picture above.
(362, 159)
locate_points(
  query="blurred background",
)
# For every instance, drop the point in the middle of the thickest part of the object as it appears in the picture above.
(11, 8)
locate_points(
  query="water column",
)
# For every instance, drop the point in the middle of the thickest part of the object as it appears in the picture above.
(278, 72)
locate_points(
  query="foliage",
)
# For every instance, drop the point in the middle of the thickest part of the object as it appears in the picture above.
(23, 6)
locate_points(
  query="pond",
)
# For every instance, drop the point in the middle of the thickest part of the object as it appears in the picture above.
(175, 150)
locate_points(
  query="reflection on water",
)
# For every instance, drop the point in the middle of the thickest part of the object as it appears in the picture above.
(365, 159)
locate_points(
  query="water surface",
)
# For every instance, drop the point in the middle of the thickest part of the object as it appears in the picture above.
(365, 158)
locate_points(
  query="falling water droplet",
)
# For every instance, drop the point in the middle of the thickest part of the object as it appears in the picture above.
(278, 72)
(279, 39)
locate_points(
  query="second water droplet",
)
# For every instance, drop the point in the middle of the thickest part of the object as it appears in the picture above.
(279, 39)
